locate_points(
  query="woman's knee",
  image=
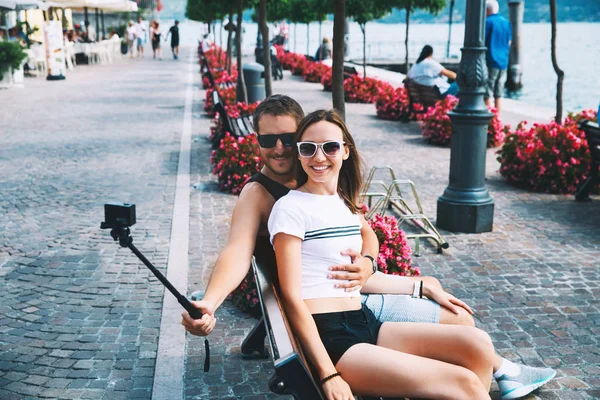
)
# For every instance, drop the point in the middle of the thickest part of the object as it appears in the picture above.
(482, 343)
(468, 385)
(450, 318)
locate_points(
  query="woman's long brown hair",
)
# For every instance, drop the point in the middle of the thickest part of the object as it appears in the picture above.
(351, 176)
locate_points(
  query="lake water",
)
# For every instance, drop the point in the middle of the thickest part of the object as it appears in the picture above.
(578, 53)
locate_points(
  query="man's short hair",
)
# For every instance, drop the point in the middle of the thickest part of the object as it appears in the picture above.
(492, 6)
(278, 105)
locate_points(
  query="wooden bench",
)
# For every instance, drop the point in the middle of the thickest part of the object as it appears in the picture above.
(592, 134)
(427, 96)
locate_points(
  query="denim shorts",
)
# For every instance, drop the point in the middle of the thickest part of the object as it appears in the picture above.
(341, 330)
(495, 82)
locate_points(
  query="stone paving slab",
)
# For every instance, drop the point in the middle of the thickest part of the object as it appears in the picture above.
(533, 282)
(80, 316)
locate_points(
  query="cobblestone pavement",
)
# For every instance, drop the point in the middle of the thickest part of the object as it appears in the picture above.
(533, 282)
(80, 316)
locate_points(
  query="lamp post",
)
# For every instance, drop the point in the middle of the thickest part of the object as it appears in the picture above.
(515, 70)
(466, 205)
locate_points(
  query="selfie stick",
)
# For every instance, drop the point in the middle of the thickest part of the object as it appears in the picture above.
(122, 234)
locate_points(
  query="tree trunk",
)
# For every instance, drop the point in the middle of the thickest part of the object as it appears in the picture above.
(320, 42)
(337, 76)
(295, 30)
(264, 28)
(229, 40)
(408, 8)
(559, 72)
(307, 38)
(363, 28)
(241, 85)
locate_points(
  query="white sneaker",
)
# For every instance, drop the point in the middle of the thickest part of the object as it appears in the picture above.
(525, 382)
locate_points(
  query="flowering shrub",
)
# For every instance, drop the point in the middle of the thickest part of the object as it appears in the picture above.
(437, 127)
(289, 60)
(315, 71)
(245, 296)
(393, 104)
(394, 252)
(299, 65)
(326, 81)
(216, 57)
(227, 97)
(360, 90)
(234, 111)
(236, 160)
(548, 158)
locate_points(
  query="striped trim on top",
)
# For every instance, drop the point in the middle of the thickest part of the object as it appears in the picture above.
(337, 231)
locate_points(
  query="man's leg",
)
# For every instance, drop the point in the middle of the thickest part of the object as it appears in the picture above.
(499, 89)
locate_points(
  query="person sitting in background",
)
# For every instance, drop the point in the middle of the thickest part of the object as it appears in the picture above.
(324, 52)
(113, 34)
(428, 72)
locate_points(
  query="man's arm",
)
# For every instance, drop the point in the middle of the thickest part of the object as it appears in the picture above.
(234, 261)
(361, 269)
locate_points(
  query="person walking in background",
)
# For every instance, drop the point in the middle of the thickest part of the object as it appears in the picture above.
(428, 72)
(140, 35)
(155, 37)
(130, 38)
(174, 32)
(498, 35)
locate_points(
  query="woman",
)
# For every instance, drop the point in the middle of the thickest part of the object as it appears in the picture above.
(349, 349)
(428, 72)
(155, 40)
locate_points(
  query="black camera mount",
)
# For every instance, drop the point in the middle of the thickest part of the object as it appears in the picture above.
(118, 218)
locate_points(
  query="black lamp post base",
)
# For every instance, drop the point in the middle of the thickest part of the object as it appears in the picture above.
(465, 217)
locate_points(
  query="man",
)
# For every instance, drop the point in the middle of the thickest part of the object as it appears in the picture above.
(140, 34)
(275, 120)
(174, 32)
(498, 35)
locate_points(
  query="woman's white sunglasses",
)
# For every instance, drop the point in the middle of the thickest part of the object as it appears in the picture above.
(309, 149)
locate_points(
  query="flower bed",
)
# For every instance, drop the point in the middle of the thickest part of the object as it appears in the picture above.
(437, 127)
(299, 65)
(245, 296)
(227, 97)
(234, 111)
(548, 158)
(394, 251)
(236, 160)
(326, 81)
(289, 60)
(393, 103)
(315, 71)
(360, 90)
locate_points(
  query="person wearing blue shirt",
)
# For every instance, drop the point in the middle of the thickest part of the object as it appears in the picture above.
(498, 35)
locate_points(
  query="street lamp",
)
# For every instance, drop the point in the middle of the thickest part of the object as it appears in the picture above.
(466, 205)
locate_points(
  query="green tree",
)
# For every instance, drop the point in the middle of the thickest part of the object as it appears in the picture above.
(321, 8)
(363, 11)
(301, 12)
(337, 75)
(432, 6)
(241, 84)
(559, 72)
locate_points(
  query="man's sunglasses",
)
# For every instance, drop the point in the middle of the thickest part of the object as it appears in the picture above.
(270, 141)
(309, 149)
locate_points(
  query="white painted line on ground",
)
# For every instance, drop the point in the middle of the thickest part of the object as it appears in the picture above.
(170, 359)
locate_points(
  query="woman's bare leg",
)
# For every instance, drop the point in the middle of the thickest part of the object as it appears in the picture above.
(378, 371)
(465, 346)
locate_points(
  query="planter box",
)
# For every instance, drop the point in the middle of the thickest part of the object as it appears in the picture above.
(7, 79)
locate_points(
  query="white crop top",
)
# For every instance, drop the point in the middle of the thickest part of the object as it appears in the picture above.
(326, 227)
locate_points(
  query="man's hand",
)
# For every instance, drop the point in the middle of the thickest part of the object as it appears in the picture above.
(203, 326)
(356, 274)
(445, 299)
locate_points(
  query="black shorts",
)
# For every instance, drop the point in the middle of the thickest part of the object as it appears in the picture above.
(341, 330)
(174, 43)
(155, 44)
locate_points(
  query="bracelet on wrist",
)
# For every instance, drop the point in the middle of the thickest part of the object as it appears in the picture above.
(330, 377)
(421, 290)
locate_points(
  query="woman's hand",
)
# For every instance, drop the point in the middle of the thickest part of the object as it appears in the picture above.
(337, 389)
(445, 299)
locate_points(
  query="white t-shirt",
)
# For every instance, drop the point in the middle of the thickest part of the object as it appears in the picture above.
(427, 73)
(140, 30)
(131, 32)
(326, 227)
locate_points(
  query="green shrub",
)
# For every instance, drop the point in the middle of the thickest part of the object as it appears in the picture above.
(12, 56)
